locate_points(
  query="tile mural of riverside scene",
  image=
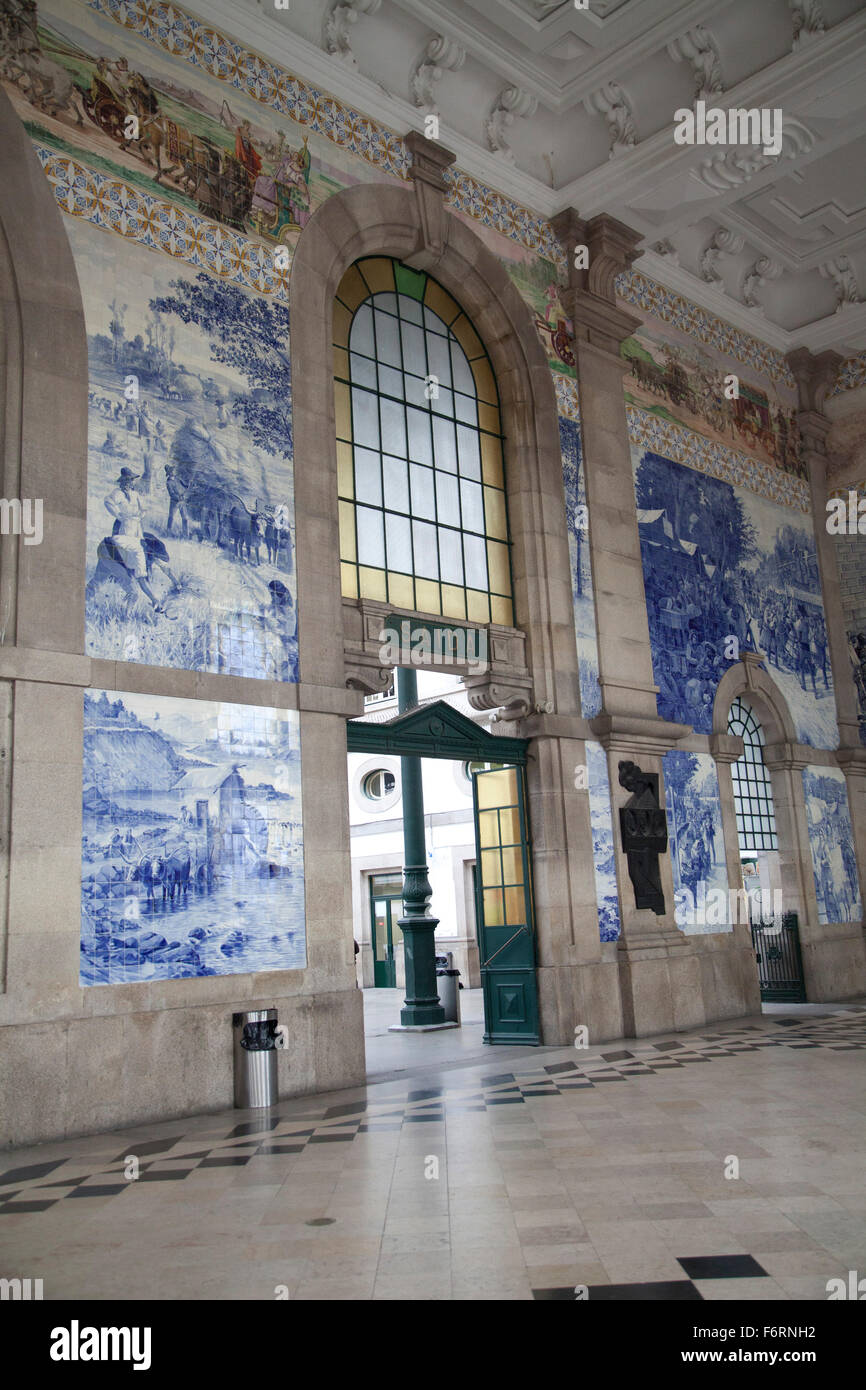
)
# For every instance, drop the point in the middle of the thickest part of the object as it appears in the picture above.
(720, 561)
(192, 847)
(190, 517)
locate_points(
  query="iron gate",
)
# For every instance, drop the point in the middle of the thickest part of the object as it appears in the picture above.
(780, 964)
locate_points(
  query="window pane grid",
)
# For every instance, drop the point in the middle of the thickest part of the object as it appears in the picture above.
(753, 793)
(463, 506)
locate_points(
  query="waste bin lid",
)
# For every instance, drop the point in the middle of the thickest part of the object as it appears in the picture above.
(254, 1016)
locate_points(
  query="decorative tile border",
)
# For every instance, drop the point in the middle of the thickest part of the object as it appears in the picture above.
(117, 207)
(682, 445)
(852, 374)
(567, 396)
(646, 294)
(184, 36)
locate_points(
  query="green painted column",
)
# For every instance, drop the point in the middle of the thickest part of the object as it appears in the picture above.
(421, 1005)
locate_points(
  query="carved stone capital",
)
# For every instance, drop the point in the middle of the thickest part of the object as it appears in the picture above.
(590, 300)
(637, 735)
(852, 760)
(815, 374)
(787, 757)
(427, 173)
(726, 748)
(512, 697)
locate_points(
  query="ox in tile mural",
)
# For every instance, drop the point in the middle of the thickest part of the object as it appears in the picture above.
(721, 563)
(192, 849)
(190, 515)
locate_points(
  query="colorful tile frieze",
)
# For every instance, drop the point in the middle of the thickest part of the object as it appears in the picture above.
(717, 460)
(852, 374)
(138, 216)
(643, 293)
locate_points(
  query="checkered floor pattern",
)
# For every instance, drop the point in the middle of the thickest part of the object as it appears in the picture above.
(36, 1187)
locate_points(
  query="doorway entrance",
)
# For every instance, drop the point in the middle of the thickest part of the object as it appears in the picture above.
(386, 906)
(504, 904)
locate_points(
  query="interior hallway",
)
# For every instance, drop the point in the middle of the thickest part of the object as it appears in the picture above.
(603, 1167)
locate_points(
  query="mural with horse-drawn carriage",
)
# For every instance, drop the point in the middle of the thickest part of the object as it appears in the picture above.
(190, 519)
(673, 377)
(192, 849)
(79, 85)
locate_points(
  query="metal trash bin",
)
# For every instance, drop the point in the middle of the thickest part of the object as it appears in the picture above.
(255, 1044)
(448, 987)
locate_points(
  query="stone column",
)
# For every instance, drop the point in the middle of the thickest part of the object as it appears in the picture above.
(814, 375)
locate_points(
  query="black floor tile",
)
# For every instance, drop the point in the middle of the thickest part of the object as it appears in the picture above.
(357, 1108)
(722, 1267)
(11, 1207)
(254, 1127)
(672, 1290)
(99, 1190)
(280, 1149)
(33, 1170)
(235, 1161)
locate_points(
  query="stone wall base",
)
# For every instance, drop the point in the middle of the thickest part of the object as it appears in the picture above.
(665, 989)
(834, 965)
(81, 1076)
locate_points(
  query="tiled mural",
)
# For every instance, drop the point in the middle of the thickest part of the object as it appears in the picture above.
(695, 840)
(720, 563)
(581, 573)
(602, 842)
(192, 849)
(831, 840)
(190, 519)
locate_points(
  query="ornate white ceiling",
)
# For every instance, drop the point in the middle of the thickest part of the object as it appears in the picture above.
(564, 107)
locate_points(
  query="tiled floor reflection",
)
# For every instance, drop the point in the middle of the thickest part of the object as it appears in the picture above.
(512, 1178)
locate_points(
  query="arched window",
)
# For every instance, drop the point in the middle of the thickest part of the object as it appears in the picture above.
(753, 794)
(423, 518)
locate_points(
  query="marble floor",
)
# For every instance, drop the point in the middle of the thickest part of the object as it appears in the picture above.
(519, 1176)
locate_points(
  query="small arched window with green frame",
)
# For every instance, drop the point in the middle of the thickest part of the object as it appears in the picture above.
(423, 514)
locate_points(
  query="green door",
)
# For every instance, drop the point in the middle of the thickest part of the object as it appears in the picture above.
(506, 938)
(385, 907)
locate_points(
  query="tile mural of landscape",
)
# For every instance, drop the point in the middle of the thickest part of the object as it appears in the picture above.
(831, 840)
(192, 846)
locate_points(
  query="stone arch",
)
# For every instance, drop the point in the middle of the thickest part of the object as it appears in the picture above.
(785, 762)
(43, 390)
(757, 686)
(381, 220)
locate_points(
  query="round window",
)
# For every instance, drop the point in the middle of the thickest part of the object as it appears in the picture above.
(379, 784)
(469, 768)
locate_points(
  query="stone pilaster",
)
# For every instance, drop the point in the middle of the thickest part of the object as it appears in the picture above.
(815, 375)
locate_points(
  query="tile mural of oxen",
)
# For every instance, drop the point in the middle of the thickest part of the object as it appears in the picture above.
(190, 518)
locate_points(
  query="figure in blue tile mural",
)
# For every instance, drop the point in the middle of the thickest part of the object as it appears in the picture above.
(726, 571)
(696, 842)
(602, 842)
(192, 850)
(831, 840)
(581, 573)
(190, 526)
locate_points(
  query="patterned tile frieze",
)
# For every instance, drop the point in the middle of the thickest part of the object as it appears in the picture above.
(652, 298)
(852, 374)
(131, 213)
(183, 36)
(708, 456)
(567, 397)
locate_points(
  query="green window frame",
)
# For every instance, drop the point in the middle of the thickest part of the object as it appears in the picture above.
(423, 508)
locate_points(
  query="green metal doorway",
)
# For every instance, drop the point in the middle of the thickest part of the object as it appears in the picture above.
(504, 903)
(386, 903)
